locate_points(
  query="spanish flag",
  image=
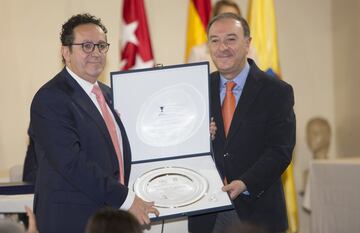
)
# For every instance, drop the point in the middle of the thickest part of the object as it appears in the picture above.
(198, 19)
(264, 50)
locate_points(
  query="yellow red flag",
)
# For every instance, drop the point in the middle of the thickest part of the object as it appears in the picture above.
(198, 18)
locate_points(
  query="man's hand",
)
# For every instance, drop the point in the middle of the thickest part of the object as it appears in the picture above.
(213, 128)
(32, 222)
(141, 209)
(234, 188)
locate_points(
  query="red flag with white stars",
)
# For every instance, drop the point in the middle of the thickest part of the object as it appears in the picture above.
(136, 51)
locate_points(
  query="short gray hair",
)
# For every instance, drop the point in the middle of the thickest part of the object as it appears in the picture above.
(229, 15)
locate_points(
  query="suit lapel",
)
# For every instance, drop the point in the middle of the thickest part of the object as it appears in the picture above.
(83, 101)
(216, 107)
(125, 142)
(125, 146)
(251, 88)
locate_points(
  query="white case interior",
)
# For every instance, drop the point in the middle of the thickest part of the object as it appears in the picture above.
(166, 115)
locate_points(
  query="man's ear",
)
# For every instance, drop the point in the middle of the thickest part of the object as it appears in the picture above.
(249, 41)
(65, 52)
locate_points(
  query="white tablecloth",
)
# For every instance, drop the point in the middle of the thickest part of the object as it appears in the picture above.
(335, 194)
(15, 203)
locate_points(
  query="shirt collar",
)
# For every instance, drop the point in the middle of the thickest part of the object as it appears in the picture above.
(87, 86)
(239, 79)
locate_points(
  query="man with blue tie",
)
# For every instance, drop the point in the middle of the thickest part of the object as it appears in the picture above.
(82, 149)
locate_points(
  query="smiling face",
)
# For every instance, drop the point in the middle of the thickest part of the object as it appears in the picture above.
(87, 66)
(228, 46)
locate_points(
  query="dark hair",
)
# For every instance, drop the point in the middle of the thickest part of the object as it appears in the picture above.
(67, 31)
(229, 15)
(8, 225)
(111, 220)
(221, 3)
(245, 227)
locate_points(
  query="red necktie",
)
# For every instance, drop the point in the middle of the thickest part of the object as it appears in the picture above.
(110, 124)
(228, 107)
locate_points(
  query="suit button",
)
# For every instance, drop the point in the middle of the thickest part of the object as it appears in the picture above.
(226, 155)
(260, 193)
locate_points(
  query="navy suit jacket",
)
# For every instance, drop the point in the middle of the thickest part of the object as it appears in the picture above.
(78, 169)
(257, 150)
(30, 164)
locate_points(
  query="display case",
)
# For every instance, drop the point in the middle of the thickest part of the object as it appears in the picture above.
(165, 111)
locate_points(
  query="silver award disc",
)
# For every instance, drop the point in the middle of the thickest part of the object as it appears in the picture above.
(171, 187)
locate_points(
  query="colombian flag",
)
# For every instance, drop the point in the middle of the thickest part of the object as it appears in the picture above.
(198, 19)
(264, 50)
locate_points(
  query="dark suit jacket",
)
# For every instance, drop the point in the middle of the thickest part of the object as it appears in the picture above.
(78, 169)
(30, 163)
(257, 150)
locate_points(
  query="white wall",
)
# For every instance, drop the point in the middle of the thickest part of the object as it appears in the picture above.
(346, 32)
(306, 55)
(30, 55)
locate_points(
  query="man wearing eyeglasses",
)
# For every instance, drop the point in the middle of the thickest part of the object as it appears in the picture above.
(81, 145)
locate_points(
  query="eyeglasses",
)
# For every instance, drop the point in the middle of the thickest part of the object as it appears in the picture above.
(89, 47)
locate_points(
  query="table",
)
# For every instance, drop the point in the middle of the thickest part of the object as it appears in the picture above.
(334, 197)
(15, 203)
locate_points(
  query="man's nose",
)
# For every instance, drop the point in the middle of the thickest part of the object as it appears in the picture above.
(96, 51)
(223, 45)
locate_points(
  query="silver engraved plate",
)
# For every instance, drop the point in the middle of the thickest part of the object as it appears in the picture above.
(171, 187)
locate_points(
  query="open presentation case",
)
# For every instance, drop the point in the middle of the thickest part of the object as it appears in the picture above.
(166, 114)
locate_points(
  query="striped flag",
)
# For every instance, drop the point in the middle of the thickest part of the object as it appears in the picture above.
(136, 51)
(198, 18)
(264, 51)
